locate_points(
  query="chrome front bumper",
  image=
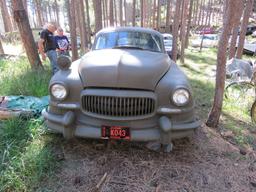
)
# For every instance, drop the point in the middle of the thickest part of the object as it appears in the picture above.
(67, 123)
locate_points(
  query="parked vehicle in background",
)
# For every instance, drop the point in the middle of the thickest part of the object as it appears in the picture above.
(168, 40)
(250, 29)
(126, 88)
(207, 30)
(210, 40)
(249, 48)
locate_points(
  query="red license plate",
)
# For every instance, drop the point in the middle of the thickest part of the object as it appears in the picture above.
(115, 132)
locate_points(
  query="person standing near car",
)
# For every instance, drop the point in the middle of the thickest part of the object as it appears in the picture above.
(47, 46)
(62, 43)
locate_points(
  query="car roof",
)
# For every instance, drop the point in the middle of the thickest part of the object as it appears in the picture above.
(167, 35)
(139, 29)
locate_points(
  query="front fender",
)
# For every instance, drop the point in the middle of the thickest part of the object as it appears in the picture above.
(72, 81)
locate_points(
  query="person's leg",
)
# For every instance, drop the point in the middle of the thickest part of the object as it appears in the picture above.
(52, 55)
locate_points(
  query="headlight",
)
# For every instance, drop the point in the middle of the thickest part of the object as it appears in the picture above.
(59, 91)
(180, 97)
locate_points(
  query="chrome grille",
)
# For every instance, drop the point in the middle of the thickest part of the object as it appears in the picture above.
(118, 106)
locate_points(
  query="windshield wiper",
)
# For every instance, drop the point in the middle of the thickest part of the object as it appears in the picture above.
(127, 47)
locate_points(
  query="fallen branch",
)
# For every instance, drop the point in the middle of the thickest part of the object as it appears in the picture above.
(100, 183)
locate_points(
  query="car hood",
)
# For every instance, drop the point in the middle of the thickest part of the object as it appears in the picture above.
(123, 68)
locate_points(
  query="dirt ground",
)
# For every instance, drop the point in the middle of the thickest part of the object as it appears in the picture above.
(206, 162)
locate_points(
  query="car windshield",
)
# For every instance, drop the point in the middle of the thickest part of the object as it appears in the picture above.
(129, 39)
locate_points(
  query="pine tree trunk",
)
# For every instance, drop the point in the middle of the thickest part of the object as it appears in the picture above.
(189, 22)
(111, 13)
(72, 25)
(214, 115)
(107, 15)
(39, 13)
(232, 47)
(98, 15)
(207, 12)
(141, 13)
(175, 32)
(167, 22)
(21, 17)
(115, 12)
(210, 13)
(121, 12)
(88, 22)
(154, 14)
(1, 48)
(57, 12)
(203, 12)
(103, 15)
(246, 15)
(133, 12)
(5, 16)
(183, 30)
(125, 13)
(158, 18)
(200, 12)
(83, 35)
(25, 5)
(195, 12)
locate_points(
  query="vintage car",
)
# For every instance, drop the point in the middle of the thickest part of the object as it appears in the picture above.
(125, 88)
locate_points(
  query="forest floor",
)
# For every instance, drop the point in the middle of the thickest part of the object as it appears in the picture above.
(222, 159)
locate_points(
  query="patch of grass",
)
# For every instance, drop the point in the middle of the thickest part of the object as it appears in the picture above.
(17, 78)
(200, 67)
(25, 155)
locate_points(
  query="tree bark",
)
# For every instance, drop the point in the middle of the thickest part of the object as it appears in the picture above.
(167, 22)
(39, 13)
(232, 47)
(98, 15)
(103, 15)
(121, 12)
(176, 30)
(158, 18)
(57, 12)
(200, 12)
(133, 12)
(214, 115)
(183, 30)
(107, 15)
(88, 22)
(154, 14)
(72, 24)
(21, 18)
(115, 12)
(25, 5)
(1, 48)
(141, 13)
(189, 22)
(125, 13)
(6, 16)
(83, 35)
(246, 15)
(111, 13)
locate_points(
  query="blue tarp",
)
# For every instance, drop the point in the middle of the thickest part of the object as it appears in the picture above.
(24, 103)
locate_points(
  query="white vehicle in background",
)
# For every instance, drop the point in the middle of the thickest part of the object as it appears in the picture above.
(209, 40)
(249, 48)
(168, 39)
